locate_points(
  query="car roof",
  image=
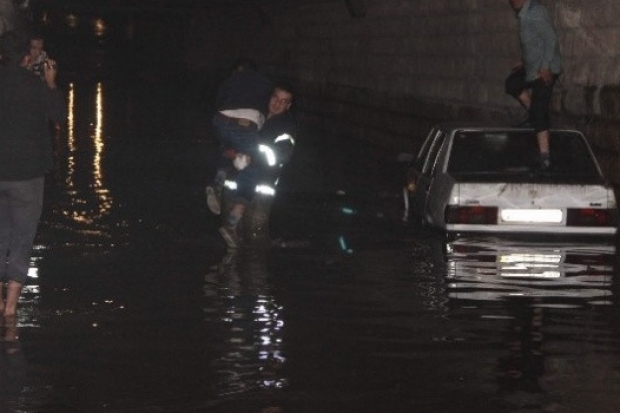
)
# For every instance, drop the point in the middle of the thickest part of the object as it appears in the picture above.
(451, 126)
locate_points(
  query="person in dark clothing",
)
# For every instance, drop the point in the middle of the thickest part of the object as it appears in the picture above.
(279, 118)
(27, 105)
(277, 133)
(241, 104)
(241, 110)
(280, 128)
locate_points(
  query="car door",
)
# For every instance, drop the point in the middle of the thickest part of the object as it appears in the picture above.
(425, 179)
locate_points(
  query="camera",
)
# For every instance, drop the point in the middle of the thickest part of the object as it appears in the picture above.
(38, 67)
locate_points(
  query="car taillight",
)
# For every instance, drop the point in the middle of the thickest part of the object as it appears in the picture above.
(591, 217)
(476, 215)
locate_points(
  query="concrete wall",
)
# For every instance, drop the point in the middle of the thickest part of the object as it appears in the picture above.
(386, 76)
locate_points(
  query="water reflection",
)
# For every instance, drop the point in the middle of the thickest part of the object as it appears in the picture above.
(80, 202)
(79, 217)
(547, 304)
(13, 366)
(562, 275)
(92, 149)
(240, 299)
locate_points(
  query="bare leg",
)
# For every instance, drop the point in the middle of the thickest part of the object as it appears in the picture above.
(13, 292)
(237, 211)
(10, 336)
(11, 329)
(229, 230)
(544, 162)
(543, 142)
(1, 298)
(525, 99)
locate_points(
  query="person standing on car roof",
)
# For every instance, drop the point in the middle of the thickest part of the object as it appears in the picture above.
(531, 81)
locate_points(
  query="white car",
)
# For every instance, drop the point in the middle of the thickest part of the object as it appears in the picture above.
(471, 179)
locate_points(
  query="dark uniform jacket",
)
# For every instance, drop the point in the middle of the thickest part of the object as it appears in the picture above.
(274, 128)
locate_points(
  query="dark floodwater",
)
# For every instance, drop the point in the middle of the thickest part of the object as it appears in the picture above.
(133, 304)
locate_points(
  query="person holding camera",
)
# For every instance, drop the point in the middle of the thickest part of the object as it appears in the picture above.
(27, 105)
(35, 60)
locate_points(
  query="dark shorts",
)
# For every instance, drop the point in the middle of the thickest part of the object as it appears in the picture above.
(541, 97)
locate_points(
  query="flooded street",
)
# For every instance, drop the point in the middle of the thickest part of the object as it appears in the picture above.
(134, 305)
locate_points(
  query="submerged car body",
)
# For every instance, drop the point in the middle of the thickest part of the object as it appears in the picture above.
(488, 180)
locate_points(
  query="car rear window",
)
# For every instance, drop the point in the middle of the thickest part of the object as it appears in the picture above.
(515, 153)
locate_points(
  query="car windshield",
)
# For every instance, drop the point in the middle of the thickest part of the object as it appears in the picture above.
(514, 154)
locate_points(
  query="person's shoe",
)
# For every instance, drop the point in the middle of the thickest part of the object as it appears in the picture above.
(544, 163)
(230, 236)
(213, 200)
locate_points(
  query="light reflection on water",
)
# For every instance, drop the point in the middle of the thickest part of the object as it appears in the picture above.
(89, 201)
(478, 316)
(547, 304)
(78, 191)
(79, 202)
(239, 298)
(553, 274)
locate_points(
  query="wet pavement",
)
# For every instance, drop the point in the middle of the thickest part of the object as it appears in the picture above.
(134, 305)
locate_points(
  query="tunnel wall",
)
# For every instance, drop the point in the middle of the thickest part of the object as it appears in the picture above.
(387, 74)
(8, 16)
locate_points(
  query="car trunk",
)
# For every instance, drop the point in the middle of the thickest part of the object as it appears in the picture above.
(532, 207)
